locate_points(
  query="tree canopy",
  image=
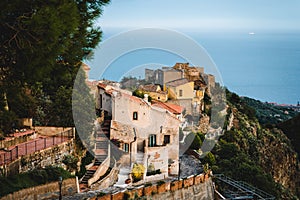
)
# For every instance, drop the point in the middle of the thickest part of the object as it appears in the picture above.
(43, 44)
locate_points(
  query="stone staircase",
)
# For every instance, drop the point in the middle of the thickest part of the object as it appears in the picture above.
(100, 152)
(139, 158)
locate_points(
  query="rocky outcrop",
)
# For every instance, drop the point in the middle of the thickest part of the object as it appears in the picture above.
(270, 147)
(278, 157)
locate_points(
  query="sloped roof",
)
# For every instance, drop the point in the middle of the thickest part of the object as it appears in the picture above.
(150, 88)
(102, 85)
(177, 82)
(173, 108)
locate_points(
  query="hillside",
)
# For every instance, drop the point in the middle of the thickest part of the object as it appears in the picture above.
(267, 113)
(291, 128)
(263, 157)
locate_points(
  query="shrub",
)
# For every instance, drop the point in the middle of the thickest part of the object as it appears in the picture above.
(160, 182)
(87, 159)
(194, 141)
(33, 178)
(148, 184)
(71, 162)
(138, 171)
(210, 159)
(39, 176)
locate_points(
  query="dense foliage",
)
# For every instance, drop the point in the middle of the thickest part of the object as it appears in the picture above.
(86, 160)
(292, 128)
(268, 113)
(30, 179)
(246, 151)
(43, 44)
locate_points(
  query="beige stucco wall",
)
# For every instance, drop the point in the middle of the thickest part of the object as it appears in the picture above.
(106, 100)
(158, 156)
(187, 91)
(150, 120)
(171, 75)
(158, 96)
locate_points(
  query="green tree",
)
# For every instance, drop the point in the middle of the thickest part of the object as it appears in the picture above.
(83, 108)
(210, 159)
(194, 141)
(43, 44)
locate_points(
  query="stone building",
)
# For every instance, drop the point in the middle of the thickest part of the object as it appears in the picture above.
(149, 133)
(191, 73)
(180, 89)
(162, 76)
(155, 92)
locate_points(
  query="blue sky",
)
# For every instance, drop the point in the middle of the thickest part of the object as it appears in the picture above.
(211, 24)
(202, 14)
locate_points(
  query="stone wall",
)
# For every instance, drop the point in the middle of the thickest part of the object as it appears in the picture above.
(23, 137)
(43, 192)
(51, 156)
(194, 187)
(101, 170)
(186, 103)
(52, 130)
(109, 180)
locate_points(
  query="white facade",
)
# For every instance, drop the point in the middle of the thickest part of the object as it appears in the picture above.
(156, 129)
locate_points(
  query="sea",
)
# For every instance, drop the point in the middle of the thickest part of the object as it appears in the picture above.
(263, 65)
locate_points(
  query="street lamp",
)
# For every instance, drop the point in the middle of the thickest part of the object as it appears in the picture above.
(60, 180)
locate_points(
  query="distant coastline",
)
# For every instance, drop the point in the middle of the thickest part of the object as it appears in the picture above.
(264, 67)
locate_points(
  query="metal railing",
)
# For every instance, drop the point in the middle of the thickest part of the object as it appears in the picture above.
(240, 185)
(7, 156)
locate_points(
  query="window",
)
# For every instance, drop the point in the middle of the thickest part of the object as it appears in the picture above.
(135, 115)
(180, 93)
(126, 147)
(152, 140)
(167, 139)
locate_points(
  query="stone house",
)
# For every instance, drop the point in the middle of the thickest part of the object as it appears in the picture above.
(180, 89)
(191, 73)
(149, 133)
(182, 92)
(155, 92)
(162, 76)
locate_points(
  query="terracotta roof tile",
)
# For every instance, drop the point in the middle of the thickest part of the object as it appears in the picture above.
(173, 108)
(102, 85)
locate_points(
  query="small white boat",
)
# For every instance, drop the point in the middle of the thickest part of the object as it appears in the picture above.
(251, 33)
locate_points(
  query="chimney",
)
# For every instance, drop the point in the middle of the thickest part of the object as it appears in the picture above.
(146, 97)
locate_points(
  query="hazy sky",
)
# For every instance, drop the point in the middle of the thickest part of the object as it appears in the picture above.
(202, 14)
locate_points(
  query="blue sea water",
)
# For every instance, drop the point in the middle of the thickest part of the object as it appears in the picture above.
(264, 66)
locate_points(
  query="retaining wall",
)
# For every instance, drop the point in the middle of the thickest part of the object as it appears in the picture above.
(194, 187)
(51, 156)
(43, 192)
